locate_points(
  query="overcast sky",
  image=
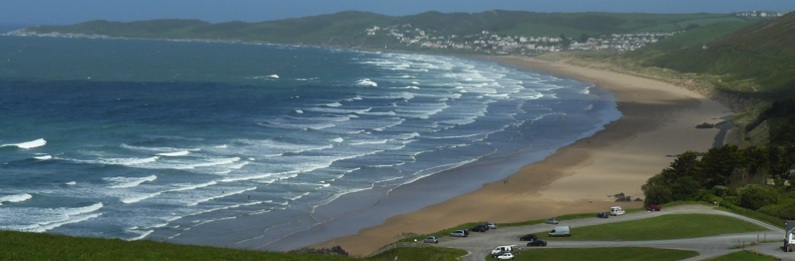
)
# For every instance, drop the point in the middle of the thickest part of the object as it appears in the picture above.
(32, 12)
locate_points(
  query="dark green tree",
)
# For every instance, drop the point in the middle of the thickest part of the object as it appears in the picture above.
(685, 188)
(685, 165)
(755, 160)
(718, 164)
(656, 190)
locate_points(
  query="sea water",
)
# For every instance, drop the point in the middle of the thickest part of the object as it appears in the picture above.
(137, 139)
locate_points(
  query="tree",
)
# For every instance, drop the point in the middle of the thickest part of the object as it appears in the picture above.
(685, 165)
(717, 165)
(755, 196)
(684, 188)
(755, 159)
(656, 191)
(565, 40)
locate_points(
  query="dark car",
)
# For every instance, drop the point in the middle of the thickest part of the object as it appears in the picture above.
(529, 237)
(603, 215)
(480, 228)
(653, 207)
(537, 242)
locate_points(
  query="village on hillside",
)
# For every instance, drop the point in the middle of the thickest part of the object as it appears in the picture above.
(491, 43)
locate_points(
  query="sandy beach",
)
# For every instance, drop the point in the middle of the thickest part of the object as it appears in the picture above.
(658, 121)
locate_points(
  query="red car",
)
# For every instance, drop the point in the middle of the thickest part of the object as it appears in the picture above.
(653, 207)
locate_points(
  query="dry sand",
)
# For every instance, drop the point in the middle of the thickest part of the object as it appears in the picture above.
(658, 120)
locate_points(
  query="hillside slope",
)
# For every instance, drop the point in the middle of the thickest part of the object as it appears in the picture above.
(755, 60)
(348, 28)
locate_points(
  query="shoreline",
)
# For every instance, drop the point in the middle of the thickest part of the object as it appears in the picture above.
(658, 121)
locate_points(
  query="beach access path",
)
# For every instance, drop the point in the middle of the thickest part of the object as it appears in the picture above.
(658, 121)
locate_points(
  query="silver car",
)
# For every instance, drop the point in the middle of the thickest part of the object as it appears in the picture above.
(432, 239)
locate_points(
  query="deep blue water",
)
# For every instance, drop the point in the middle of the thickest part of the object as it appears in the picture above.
(133, 139)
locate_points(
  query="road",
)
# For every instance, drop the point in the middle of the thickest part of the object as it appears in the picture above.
(479, 245)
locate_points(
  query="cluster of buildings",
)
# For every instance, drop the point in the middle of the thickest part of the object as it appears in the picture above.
(763, 14)
(491, 43)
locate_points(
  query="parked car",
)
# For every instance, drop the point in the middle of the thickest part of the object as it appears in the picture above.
(506, 256)
(491, 225)
(529, 237)
(552, 221)
(653, 207)
(602, 215)
(458, 233)
(500, 250)
(537, 242)
(431, 239)
(480, 228)
(616, 211)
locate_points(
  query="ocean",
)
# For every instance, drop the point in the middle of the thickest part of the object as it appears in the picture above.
(260, 146)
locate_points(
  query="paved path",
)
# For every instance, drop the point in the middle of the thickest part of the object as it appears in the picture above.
(479, 245)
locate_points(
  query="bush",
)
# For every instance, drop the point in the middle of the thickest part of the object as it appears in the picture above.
(755, 196)
(783, 210)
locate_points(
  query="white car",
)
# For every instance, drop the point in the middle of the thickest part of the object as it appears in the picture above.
(506, 256)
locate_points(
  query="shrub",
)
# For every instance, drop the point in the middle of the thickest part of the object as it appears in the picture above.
(755, 196)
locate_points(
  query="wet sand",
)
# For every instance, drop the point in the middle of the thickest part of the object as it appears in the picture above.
(658, 121)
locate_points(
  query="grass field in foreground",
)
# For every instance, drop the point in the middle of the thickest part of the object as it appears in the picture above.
(673, 226)
(36, 246)
(604, 253)
(743, 256)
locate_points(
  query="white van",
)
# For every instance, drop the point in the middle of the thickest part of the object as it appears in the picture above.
(459, 233)
(562, 231)
(499, 250)
(616, 211)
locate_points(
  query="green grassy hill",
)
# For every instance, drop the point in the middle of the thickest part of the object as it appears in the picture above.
(752, 60)
(348, 28)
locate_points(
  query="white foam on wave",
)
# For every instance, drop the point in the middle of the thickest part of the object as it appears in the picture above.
(174, 154)
(155, 149)
(71, 183)
(122, 161)
(140, 197)
(27, 145)
(128, 182)
(45, 219)
(142, 234)
(334, 104)
(43, 157)
(210, 163)
(222, 195)
(355, 98)
(369, 142)
(366, 83)
(15, 198)
(265, 77)
(271, 177)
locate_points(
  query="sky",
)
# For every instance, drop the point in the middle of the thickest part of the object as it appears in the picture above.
(55, 12)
